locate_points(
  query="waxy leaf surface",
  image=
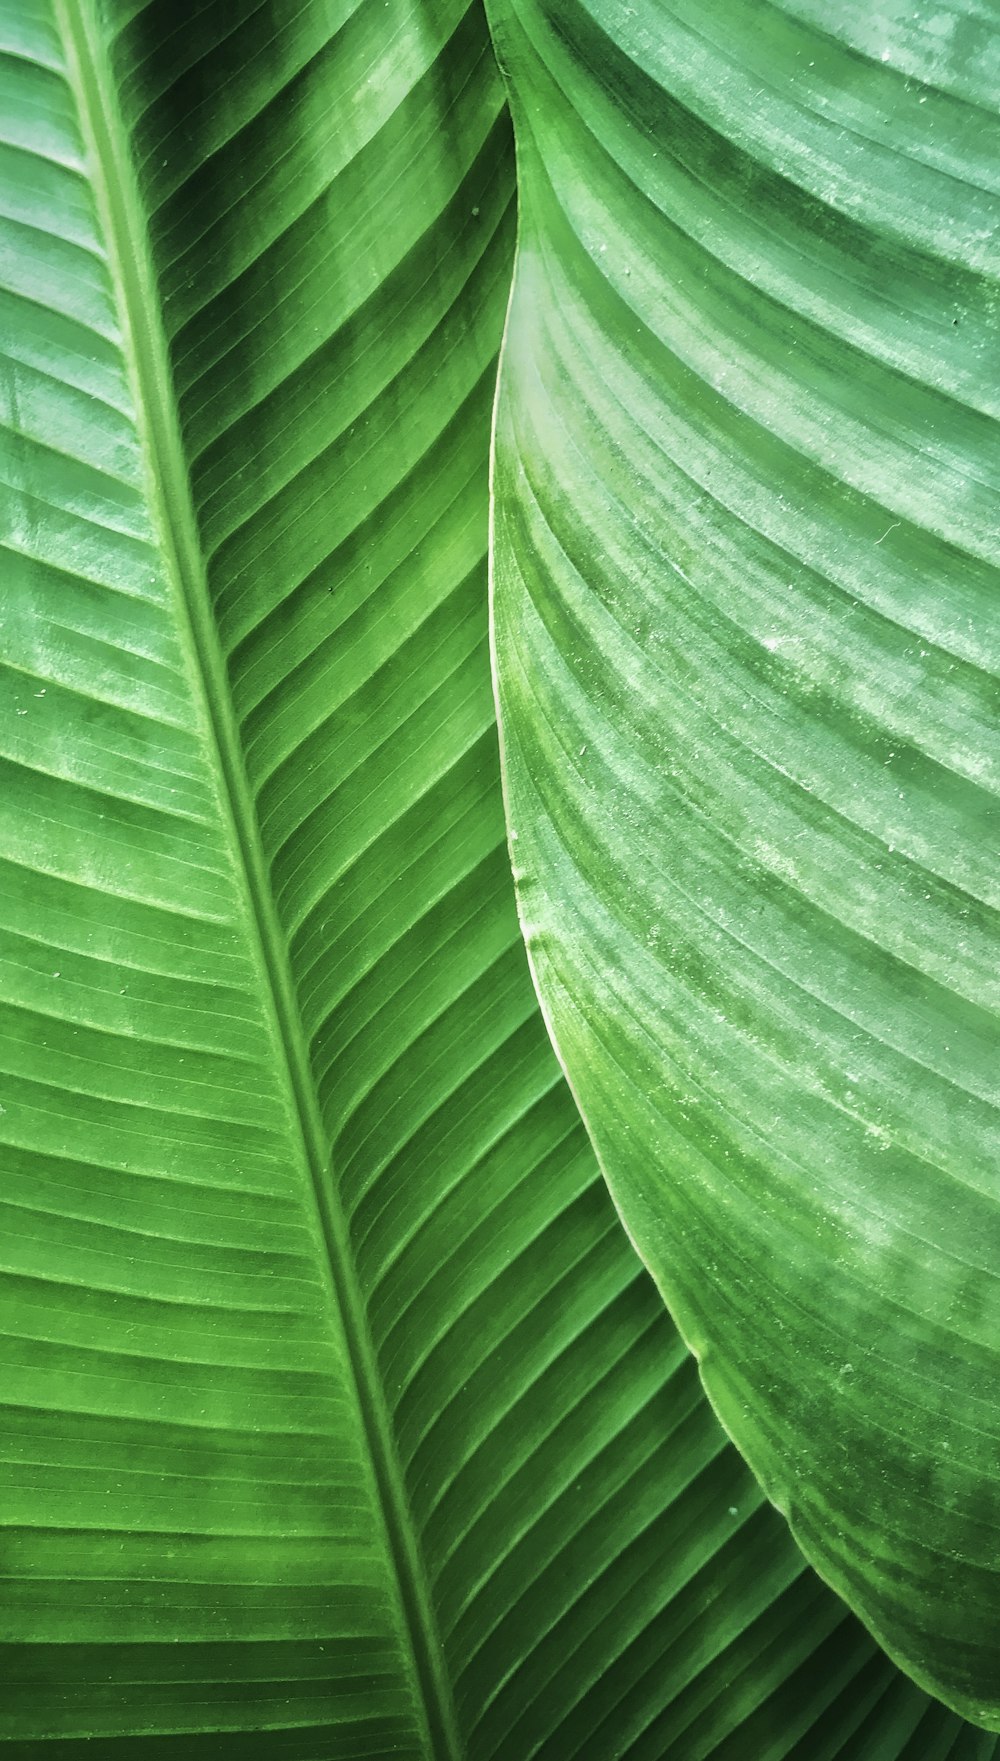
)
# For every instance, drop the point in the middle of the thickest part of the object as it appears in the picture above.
(746, 531)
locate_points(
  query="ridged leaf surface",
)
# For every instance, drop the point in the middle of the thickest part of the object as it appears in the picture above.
(746, 636)
(339, 1418)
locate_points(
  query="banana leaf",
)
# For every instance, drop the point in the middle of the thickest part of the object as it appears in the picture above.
(746, 639)
(339, 1418)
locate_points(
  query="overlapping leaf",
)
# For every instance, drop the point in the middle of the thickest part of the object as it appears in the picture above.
(746, 533)
(339, 1418)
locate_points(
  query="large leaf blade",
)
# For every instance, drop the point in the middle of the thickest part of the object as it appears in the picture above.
(744, 521)
(173, 1322)
(601, 1568)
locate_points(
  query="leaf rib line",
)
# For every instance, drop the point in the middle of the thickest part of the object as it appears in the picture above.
(129, 254)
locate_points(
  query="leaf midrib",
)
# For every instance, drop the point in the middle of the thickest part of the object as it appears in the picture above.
(144, 347)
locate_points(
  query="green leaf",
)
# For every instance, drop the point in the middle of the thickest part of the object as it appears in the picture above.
(746, 530)
(339, 1419)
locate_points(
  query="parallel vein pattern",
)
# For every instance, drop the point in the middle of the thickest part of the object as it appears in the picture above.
(194, 1542)
(195, 1562)
(746, 527)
